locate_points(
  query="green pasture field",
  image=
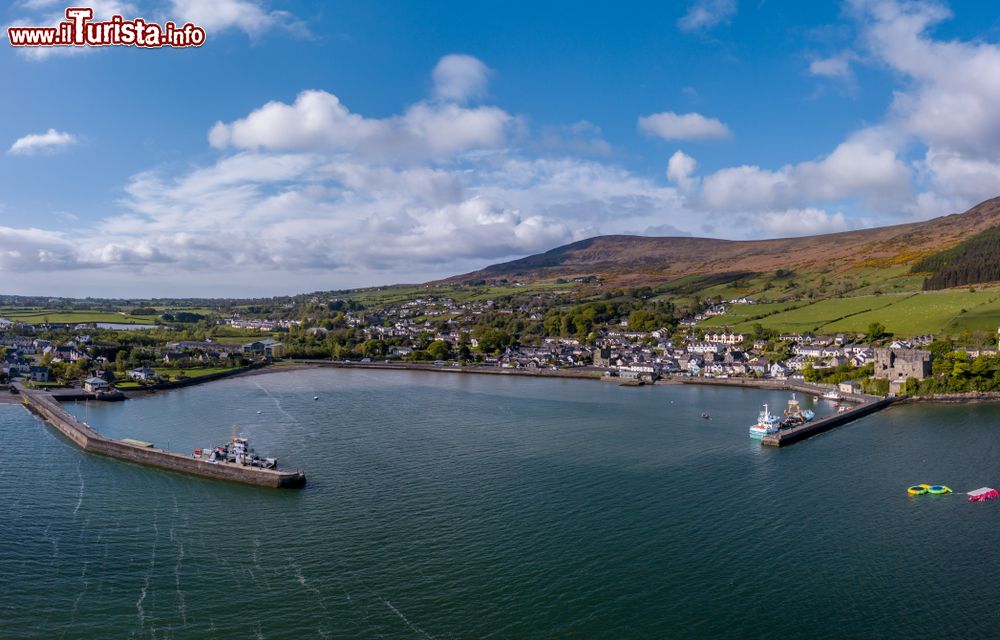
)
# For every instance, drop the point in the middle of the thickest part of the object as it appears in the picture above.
(814, 317)
(60, 316)
(935, 312)
(37, 315)
(165, 372)
(948, 312)
(739, 314)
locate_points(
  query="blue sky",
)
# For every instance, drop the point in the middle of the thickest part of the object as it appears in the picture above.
(325, 145)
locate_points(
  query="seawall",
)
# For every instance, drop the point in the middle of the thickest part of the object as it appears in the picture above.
(189, 382)
(91, 441)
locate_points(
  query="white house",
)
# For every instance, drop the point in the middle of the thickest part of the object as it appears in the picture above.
(705, 347)
(95, 385)
(142, 374)
(779, 371)
(725, 338)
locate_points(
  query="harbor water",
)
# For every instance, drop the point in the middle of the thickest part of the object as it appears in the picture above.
(465, 506)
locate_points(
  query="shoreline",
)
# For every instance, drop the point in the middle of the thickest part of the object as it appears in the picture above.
(303, 365)
(580, 373)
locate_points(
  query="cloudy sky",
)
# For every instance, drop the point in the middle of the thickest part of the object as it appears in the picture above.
(321, 145)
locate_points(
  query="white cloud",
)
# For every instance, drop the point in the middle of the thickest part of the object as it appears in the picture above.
(745, 188)
(293, 212)
(680, 168)
(705, 14)
(259, 214)
(864, 166)
(49, 141)
(460, 77)
(971, 179)
(35, 250)
(802, 222)
(246, 15)
(837, 67)
(317, 120)
(688, 126)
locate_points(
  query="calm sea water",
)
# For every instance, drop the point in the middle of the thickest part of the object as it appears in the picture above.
(456, 506)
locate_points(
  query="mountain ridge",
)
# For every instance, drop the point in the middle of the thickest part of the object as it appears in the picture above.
(624, 259)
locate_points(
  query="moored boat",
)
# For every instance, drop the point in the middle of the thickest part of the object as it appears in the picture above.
(767, 424)
(238, 451)
(795, 414)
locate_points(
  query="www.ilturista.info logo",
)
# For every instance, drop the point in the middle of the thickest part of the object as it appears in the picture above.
(79, 30)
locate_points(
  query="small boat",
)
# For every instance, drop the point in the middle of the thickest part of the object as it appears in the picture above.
(832, 395)
(767, 424)
(706, 416)
(315, 397)
(260, 412)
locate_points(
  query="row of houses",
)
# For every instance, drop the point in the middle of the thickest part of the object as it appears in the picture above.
(554, 352)
(724, 354)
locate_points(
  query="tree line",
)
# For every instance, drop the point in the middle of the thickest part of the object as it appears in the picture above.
(973, 261)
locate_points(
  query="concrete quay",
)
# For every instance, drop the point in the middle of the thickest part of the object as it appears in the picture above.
(82, 435)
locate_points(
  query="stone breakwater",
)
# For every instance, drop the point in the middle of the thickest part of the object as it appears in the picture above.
(91, 441)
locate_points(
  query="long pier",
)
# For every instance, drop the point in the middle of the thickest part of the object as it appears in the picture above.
(91, 441)
(813, 427)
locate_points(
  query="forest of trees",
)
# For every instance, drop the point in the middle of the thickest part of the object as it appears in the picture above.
(974, 260)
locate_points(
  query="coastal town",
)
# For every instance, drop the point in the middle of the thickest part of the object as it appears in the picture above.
(441, 331)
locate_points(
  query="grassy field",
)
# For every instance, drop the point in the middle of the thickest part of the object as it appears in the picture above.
(745, 314)
(930, 312)
(191, 373)
(171, 374)
(69, 317)
(72, 316)
(814, 317)
(984, 317)
(906, 314)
